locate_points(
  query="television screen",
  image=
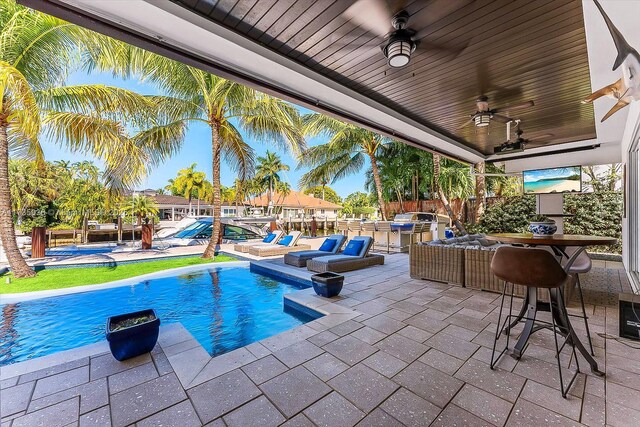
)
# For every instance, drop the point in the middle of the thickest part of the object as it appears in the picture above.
(554, 180)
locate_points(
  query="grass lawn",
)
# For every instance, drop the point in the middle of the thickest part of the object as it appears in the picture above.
(81, 276)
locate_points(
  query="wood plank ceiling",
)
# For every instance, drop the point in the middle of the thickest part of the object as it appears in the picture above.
(513, 51)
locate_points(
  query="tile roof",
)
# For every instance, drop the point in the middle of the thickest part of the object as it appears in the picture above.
(295, 199)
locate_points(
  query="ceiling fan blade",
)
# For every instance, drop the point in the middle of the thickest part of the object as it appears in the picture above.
(437, 10)
(515, 107)
(482, 77)
(501, 118)
(373, 15)
(453, 51)
(467, 122)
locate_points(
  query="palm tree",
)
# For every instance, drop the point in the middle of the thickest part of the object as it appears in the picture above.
(188, 182)
(226, 107)
(453, 180)
(344, 154)
(37, 51)
(140, 207)
(268, 169)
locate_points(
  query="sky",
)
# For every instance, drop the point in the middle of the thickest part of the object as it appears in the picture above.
(196, 147)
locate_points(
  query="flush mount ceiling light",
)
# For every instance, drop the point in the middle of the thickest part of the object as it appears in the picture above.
(399, 48)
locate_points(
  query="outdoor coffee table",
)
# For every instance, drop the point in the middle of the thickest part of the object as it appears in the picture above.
(558, 243)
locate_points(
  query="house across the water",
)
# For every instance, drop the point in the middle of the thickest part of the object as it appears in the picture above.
(296, 204)
(174, 208)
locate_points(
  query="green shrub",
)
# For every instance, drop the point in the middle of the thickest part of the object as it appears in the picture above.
(510, 215)
(598, 214)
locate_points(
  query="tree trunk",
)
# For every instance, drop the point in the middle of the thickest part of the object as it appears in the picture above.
(214, 246)
(18, 265)
(442, 196)
(198, 205)
(378, 182)
(480, 192)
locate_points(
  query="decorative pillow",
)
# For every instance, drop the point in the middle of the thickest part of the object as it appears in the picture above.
(269, 238)
(486, 242)
(328, 245)
(354, 247)
(285, 240)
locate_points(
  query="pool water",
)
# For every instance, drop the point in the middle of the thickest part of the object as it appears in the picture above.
(224, 308)
(77, 251)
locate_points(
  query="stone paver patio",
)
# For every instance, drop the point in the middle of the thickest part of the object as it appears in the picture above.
(391, 351)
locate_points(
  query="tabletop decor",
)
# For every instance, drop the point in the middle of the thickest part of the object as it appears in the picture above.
(541, 225)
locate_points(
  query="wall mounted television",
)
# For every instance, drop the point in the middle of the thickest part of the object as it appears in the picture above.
(553, 180)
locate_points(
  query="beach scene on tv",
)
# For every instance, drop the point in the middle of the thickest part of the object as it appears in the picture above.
(555, 180)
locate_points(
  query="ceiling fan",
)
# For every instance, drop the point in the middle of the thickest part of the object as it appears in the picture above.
(391, 24)
(520, 143)
(483, 116)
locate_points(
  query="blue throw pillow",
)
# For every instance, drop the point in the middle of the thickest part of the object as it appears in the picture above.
(269, 238)
(328, 245)
(285, 240)
(354, 247)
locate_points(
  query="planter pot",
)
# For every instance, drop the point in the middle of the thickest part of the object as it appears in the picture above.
(540, 229)
(134, 340)
(147, 236)
(327, 284)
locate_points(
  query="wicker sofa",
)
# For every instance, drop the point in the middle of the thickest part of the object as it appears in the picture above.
(464, 263)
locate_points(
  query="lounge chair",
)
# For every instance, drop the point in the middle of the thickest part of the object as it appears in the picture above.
(285, 245)
(346, 262)
(300, 258)
(270, 240)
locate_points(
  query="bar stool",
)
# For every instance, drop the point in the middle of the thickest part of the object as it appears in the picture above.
(369, 227)
(581, 265)
(385, 227)
(354, 226)
(342, 227)
(533, 268)
(410, 231)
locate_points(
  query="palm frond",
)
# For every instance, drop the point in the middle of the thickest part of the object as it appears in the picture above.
(237, 153)
(22, 113)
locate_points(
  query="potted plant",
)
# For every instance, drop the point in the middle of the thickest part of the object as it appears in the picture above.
(541, 225)
(327, 284)
(132, 334)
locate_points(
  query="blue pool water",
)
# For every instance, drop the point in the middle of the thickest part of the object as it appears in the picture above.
(224, 308)
(71, 251)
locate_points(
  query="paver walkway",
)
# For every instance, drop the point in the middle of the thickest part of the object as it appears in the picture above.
(394, 351)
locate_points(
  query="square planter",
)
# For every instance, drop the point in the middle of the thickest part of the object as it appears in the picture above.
(136, 339)
(327, 284)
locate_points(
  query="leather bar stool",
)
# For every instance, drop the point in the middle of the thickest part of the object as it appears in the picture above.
(535, 269)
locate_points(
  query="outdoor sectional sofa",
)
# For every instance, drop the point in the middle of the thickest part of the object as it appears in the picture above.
(463, 261)
(340, 263)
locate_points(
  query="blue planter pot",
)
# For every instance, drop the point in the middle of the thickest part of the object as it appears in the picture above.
(134, 340)
(327, 284)
(540, 229)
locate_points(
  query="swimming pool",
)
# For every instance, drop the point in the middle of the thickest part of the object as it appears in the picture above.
(224, 308)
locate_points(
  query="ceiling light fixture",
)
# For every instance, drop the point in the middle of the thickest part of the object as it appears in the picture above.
(482, 120)
(399, 48)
